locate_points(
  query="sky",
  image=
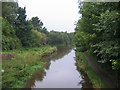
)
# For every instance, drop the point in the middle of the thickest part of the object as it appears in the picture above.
(57, 15)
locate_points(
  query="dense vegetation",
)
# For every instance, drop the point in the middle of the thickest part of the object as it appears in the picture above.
(19, 69)
(56, 38)
(83, 66)
(19, 32)
(98, 31)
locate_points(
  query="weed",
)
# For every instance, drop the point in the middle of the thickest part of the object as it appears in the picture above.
(19, 69)
(83, 65)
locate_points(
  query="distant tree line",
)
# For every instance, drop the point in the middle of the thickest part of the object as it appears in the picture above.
(56, 38)
(18, 32)
(98, 31)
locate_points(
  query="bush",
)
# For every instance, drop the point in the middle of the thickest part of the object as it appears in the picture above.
(9, 39)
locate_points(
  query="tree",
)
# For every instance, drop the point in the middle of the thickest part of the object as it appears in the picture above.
(56, 38)
(38, 39)
(23, 27)
(98, 31)
(9, 39)
(9, 11)
(37, 24)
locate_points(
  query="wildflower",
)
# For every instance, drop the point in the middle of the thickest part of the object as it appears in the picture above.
(2, 70)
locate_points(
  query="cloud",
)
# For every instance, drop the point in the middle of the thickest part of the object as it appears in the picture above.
(57, 15)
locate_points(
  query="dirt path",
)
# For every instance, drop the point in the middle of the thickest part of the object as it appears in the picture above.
(100, 73)
(7, 56)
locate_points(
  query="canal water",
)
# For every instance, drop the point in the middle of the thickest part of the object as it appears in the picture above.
(59, 72)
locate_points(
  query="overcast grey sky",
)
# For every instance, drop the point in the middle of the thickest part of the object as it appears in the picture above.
(58, 15)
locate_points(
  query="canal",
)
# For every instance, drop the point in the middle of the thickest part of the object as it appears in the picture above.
(59, 72)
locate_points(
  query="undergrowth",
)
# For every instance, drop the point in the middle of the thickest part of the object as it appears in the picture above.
(19, 69)
(83, 65)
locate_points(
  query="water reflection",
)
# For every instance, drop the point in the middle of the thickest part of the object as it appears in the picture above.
(85, 82)
(61, 52)
(40, 74)
(60, 71)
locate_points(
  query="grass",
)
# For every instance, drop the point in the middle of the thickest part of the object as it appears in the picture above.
(19, 69)
(83, 65)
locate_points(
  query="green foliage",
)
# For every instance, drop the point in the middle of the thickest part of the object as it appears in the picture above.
(9, 11)
(83, 65)
(38, 39)
(23, 27)
(38, 25)
(55, 38)
(9, 38)
(98, 31)
(30, 33)
(20, 68)
(83, 38)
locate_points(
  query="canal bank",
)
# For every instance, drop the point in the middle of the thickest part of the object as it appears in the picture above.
(18, 69)
(84, 66)
(104, 71)
(100, 76)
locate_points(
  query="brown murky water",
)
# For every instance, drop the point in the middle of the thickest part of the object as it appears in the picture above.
(60, 72)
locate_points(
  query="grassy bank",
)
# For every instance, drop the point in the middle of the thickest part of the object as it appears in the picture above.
(19, 69)
(83, 65)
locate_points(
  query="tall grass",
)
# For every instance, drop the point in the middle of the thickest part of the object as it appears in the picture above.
(20, 68)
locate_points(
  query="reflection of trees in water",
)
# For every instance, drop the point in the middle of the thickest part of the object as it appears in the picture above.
(61, 52)
(85, 82)
(40, 74)
(37, 76)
